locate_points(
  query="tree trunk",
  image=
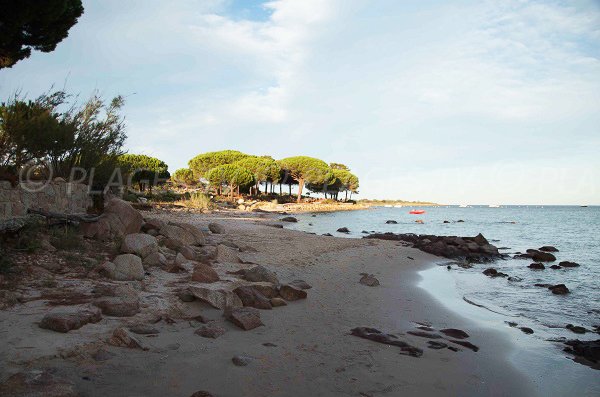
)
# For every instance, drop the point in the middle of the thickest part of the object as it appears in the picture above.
(300, 187)
(346, 199)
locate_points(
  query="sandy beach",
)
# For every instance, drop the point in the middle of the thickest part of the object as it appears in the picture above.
(304, 348)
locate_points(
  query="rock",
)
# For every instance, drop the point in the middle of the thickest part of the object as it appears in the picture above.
(388, 339)
(37, 383)
(152, 224)
(127, 267)
(204, 274)
(548, 248)
(260, 273)
(537, 266)
(119, 219)
(210, 331)
(269, 290)
(155, 259)
(140, 244)
(559, 289)
(253, 298)
(542, 285)
(188, 252)
(491, 272)
(515, 279)
(143, 329)
(576, 329)
(526, 330)
(102, 355)
(466, 344)
(556, 267)
(278, 302)
(589, 350)
(201, 393)
(246, 318)
(122, 301)
(391, 222)
(67, 321)
(219, 294)
(186, 296)
(454, 333)
(480, 240)
(216, 228)
(123, 338)
(291, 293)
(227, 254)
(343, 230)
(424, 334)
(568, 264)
(540, 256)
(241, 361)
(328, 235)
(369, 280)
(432, 344)
(300, 284)
(178, 235)
(289, 219)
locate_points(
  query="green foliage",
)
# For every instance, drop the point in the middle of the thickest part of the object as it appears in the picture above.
(201, 164)
(166, 196)
(198, 200)
(144, 170)
(307, 169)
(345, 180)
(184, 176)
(339, 166)
(34, 24)
(230, 174)
(263, 168)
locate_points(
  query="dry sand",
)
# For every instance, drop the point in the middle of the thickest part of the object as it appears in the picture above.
(312, 351)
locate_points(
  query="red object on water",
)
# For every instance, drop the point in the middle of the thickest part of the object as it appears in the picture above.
(416, 212)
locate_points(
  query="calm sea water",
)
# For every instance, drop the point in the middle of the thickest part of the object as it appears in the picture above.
(575, 231)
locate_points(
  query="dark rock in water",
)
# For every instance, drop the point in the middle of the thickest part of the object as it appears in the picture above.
(459, 221)
(559, 289)
(446, 222)
(424, 334)
(589, 350)
(289, 219)
(369, 280)
(251, 297)
(491, 272)
(388, 339)
(201, 393)
(242, 361)
(391, 222)
(576, 329)
(454, 333)
(526, 330)
(292, 293)
(454, 349)
(555, 267)
(515, 279)
(246, 318)
(300, 284)
(328, 234)
(472, 249)
(466, 344)
(543, 285)
(426, 328)
(537, 266)
(432, 344)
(540, 256)
(548, 248)
(511, 324)
(276, 226)
(568, 264)
(364, 232)
(343, 230)
(210, 331)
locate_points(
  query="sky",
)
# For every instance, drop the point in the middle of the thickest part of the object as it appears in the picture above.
(478, 102)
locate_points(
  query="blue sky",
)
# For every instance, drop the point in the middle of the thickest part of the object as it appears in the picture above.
(463, 101)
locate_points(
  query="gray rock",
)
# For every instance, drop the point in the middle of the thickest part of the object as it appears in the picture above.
(210, 331)
(67, 321)
(260, 273)
(291, 293)
(216, 228)
(140, 244)
(219, 294)
(369, 280)
(242, 361)
(247, 318)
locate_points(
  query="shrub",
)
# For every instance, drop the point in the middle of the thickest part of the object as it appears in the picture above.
(66, 239)
(184, 176)
(198, 201)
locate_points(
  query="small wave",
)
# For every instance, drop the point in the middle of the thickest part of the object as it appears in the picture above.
(470, 302)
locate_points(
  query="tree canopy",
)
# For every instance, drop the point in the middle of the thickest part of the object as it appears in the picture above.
(184, 176)
(262, 168)
(144, 170)
(34, 24)
(204, 162)
(306, 169)
(231, 175)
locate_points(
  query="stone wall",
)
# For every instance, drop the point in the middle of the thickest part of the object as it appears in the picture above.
(56, 196)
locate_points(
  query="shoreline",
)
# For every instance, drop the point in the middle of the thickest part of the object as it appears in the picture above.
(310, 350)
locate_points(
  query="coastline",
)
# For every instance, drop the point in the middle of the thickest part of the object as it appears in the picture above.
(310, 350)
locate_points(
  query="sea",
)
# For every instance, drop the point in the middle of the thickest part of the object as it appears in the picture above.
(573, 230)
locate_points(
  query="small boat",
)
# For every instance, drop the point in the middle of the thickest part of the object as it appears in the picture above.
(416, 212)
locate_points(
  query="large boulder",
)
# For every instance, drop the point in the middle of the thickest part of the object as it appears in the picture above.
(123, 338)
(227, 254)
(216, 228)
(118, 301)
(246, 318)
(540, 256)
(252, 297)
(178, 235)
(125, 267)
(260, 273)
(119, 219)
(204, 274)
(219, 294)
(67, 321)
(292, 293)
(140, 244)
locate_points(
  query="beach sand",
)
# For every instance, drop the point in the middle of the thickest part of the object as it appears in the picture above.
(309, 351)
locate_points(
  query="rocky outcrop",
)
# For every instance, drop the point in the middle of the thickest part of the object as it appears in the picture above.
(118, 301)
(252, 297)
(588, 350)
(537, 266)
(289, 219)
(119, 219)
(124, 267)
(559, 289)
(536, 255)
(178, 235)
(260, 273)
(568, 264)
(204, 274)
(67, 321)
(219, 295)
(123, 338)
(343, 230)
(140, 244)
(548, 248)
(472, 249)
(388, 339)
(246, 318)
(216, 228)
(454, 333)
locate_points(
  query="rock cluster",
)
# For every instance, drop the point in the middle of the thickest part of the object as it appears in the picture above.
(472, 249)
